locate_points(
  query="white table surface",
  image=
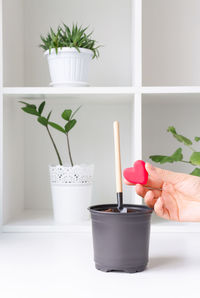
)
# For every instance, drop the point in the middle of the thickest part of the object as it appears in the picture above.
(61, 265)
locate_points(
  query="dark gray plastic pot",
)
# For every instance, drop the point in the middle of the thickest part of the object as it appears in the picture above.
(121, 240)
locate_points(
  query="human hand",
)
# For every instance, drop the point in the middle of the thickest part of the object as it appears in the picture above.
(174, 196)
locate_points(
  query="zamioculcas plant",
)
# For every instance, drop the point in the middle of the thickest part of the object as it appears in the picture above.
(177, 156)
(76, 37)
(67, 115)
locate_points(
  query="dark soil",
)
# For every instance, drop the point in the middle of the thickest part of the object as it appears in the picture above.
(117, 211)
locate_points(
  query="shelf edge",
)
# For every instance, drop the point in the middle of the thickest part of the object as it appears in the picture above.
(63, 91)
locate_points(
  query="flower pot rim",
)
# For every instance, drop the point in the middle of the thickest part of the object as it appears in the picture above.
(142, 208)
(68, 50)
(68, 175)
(71, 167)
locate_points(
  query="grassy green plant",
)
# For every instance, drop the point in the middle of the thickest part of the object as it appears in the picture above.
(75, 37)
(177, 156)
(67, 115)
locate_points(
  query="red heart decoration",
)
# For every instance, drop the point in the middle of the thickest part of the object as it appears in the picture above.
(137, 174)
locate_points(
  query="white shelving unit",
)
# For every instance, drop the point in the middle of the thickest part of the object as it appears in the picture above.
(46, 91)
(131, 82)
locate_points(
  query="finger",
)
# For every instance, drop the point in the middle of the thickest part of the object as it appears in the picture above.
(160, 209)
(154, 183)
(150, 183)
(161, 175)
(150, 199)
(142, 190)
(170, 203)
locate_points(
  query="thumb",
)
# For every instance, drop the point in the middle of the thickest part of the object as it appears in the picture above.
(161, 174)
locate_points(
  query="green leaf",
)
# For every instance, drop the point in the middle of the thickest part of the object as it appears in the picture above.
(179, 138)
(41, 107)
(195, 158)
(66, 114)
(30, 110)
(42, 120)
(184, 140)
(52, 33)
(56, 126)
(33, 107)
(69, 37)
(160, 158)
(176, 156)
(197, 139)
(171, 129)
(70, 125)
(29, 105)
(49, 115)
(195, 172)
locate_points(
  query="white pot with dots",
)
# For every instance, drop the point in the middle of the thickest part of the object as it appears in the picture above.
(71, 189)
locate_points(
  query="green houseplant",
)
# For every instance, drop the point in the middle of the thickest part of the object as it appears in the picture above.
(177, 156)
(69, 52)
(71, 186)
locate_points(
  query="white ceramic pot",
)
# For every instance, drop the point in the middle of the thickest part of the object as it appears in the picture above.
(71, 189)
(69, 68)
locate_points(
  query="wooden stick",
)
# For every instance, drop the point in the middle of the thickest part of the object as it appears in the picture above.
(118, 171)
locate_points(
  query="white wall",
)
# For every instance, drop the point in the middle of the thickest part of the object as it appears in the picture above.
(111, 22)
(161, 111)
(13, 160)
(13, 43)
(171, 43)
(13, 128)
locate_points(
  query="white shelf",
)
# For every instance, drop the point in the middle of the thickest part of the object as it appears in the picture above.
(42, 221)
(80, 94)
(170, 89)
(67, 90)
(38, 92)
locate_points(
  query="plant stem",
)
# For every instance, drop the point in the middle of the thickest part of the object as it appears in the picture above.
(191, 148)
(54, 145)
(69, 150)
(185, 161)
